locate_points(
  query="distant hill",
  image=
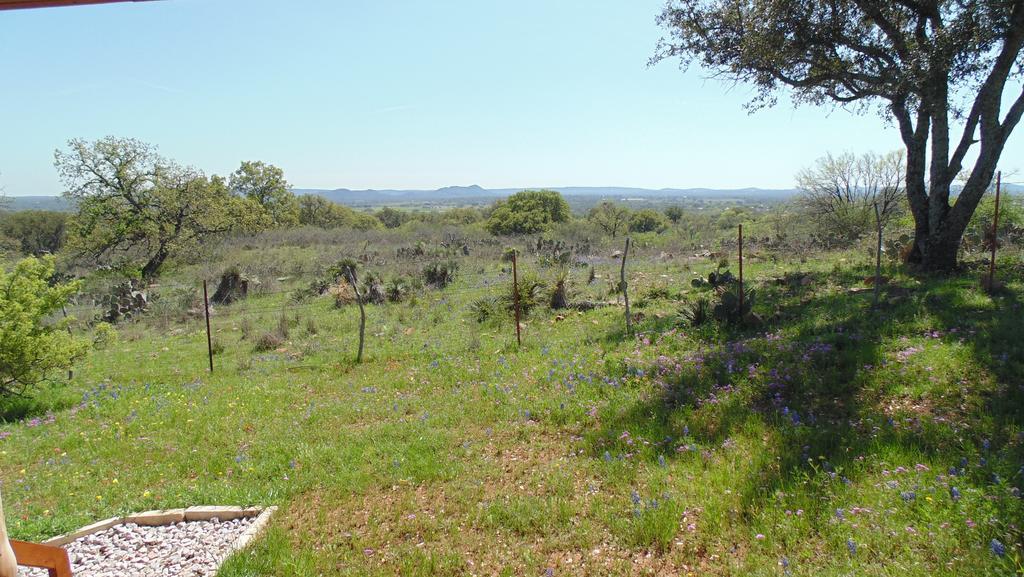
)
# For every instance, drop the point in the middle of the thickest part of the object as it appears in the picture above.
(477, 194)
(57, 203)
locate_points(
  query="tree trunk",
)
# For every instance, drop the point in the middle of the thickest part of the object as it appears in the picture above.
(152, 267)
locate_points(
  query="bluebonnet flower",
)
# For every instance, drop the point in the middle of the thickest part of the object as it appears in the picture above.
(686, 433)
(661, 460)
(635, 497)
(954, 493)
(851, 546)
(908, 496)
(998, 548)
(986, 444)
(607, 456)
(840, 514)
(963, 462)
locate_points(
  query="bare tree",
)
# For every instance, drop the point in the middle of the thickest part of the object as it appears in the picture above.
(841, 192)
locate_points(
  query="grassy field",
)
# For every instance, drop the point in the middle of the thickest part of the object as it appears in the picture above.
(830, 440)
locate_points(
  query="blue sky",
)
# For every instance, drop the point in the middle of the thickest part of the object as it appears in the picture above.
(398, 94)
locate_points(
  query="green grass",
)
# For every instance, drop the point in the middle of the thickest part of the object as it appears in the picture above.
(820, 443)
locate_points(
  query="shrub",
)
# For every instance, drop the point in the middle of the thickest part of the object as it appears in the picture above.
(486, 309)
(728, 309)
(268, 341)
(647, 220)
(696, 313)
(32, 349)
(440, 273)
(399, 288)
(528, 212)
(103, 336)
(531, 294)
(560, 291)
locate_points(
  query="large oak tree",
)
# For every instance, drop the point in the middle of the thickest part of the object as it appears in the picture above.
(137, 209)
(941, 68)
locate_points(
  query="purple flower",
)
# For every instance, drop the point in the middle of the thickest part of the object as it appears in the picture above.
(954, 493)
(998, 548)
(908, 496)
(851, 546)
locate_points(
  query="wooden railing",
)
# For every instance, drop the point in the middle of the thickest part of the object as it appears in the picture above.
(53, 559)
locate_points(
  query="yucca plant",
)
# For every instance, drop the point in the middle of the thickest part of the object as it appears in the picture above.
(729, 310)
(696, 313)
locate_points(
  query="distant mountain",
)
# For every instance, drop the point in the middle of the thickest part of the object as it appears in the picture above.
(475, 193)
(57, 203)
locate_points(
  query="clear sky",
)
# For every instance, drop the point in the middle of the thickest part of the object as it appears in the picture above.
(398, 94)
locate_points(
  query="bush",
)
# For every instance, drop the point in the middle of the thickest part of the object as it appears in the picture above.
(440, 273)
(32, 349)
(696, 313)
(268, 341)
(728, 310)
(528, 212)
(647, 220)
(103, 336)
(486, 309)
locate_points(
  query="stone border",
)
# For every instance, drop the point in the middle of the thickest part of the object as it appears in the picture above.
(172, 516)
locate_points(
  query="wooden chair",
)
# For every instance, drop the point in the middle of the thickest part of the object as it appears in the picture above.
(53, 559)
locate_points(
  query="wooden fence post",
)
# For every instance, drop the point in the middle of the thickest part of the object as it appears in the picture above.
(362, 313)
(625, 288)
(878, 257)
(515, 295)
(64, 309)
(741, 271)
(209, 337)
(995, 236)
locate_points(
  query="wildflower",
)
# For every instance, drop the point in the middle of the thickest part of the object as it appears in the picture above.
(908, 496)
(661, 460)
(954, 493)
(998, 548)
(635, 497)
(759, 537)
(851, 546)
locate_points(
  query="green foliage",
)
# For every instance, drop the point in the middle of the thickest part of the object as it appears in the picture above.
(265, 185)
(647, 220)
(268, 341)
(610, 218)
(729, 310)
(440, 274)
(532, 293)
(400, 287)
(36, 231)
(32, 349)
(696, 313)
(104, 335)
(487, 309)
(392, 217)
(674, 213)
(528, 212)
(315, 210)
(137, 209)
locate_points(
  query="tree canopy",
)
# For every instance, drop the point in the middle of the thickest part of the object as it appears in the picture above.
(31, 348)
(609, 217)
(315, 210)
(265, 184)
(137, 209)
(933, 65)
(840, 192)
(528, 212)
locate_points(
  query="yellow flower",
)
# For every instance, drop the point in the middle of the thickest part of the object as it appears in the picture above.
(114, 481)
(146, 494)
(99, 497)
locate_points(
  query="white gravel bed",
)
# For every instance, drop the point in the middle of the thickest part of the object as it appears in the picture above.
(189, 548)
